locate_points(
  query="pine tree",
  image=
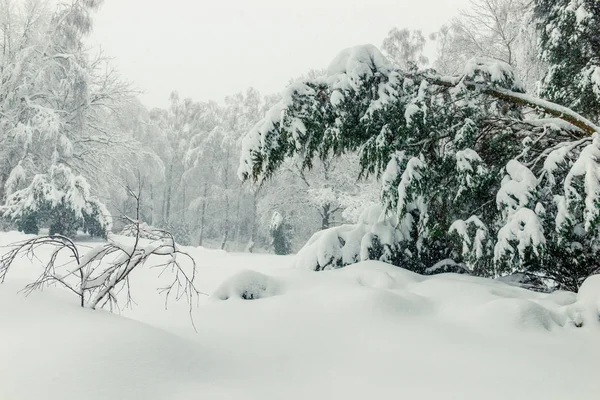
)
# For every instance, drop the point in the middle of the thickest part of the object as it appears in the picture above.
(279, 233)
(462, 166)
(570, 44)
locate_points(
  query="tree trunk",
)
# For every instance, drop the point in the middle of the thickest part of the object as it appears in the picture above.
(253, 224)
(184, 206)
(238, 224)
(203, 214)
(168, 196)
(325, 216)
(151, 205)
(227, 223)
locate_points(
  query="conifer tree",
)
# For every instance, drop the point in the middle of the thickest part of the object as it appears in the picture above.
(570, 44)
(468, 177)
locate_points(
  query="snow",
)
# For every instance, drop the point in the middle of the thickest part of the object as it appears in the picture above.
(369, 330)
(594, 76)
(411, 110)
(17, 176)
(276, 221)
(486, 70)
(523, 227)
(587, 166)
(581, 14)
(554, 109)
(411, 175)
(352, 65)
(256, 139)
(247, 285)
(517, 188)
(464, 159)
(58, 186)
(443, 266)
(475, 245)
(323, 196)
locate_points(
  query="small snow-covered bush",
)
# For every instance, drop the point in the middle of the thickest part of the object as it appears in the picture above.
(376, 236)
(279, 233)
(587, 307)
(247, 285)
(62, 201)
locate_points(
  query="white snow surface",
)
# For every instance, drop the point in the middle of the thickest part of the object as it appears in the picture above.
(486, 70)
(369, 330)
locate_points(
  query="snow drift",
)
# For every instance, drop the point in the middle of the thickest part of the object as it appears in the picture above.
(366, 330)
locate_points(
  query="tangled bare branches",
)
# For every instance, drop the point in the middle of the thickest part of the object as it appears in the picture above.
(100, 275)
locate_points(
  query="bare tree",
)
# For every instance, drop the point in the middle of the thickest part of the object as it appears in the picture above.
(498, 29)
(405, 48)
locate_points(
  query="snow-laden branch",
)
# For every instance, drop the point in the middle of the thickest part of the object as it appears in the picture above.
(556, 110)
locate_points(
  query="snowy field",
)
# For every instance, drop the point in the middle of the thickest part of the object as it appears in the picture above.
(366, 331)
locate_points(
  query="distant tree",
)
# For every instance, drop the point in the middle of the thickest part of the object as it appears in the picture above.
(56, 95)
(279, 233)
(498, 29)
(405, 47)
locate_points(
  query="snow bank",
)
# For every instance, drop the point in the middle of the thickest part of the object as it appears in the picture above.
(370, 330)
(587, 307)
(51, 349)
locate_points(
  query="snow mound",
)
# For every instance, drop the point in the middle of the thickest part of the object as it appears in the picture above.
(589, 292)
(378, 275)
(357, 63)
(369, 330)
(53, 349)
(587, 307)
(248, 285)
(562, 297)
(493, 72)
(515, 313)
(390, 304)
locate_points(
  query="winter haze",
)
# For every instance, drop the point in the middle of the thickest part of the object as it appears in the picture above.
(210, 49)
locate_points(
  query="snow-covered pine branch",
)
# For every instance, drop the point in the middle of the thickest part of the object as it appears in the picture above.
(441, 147)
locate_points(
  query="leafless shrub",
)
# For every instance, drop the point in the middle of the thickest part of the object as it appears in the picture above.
(97, 276)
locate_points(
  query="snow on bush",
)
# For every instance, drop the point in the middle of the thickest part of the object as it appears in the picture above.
(279, 230)
(474, 246)
(247, 285)
(60, 199)
(341, 245)
(517, 188)
(587, 307)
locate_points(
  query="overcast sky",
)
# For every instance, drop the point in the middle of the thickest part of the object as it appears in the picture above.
(209, 49)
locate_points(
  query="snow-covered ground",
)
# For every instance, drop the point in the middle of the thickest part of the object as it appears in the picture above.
(366, 331)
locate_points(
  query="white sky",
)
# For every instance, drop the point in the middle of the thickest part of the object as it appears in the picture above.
(207, 49)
